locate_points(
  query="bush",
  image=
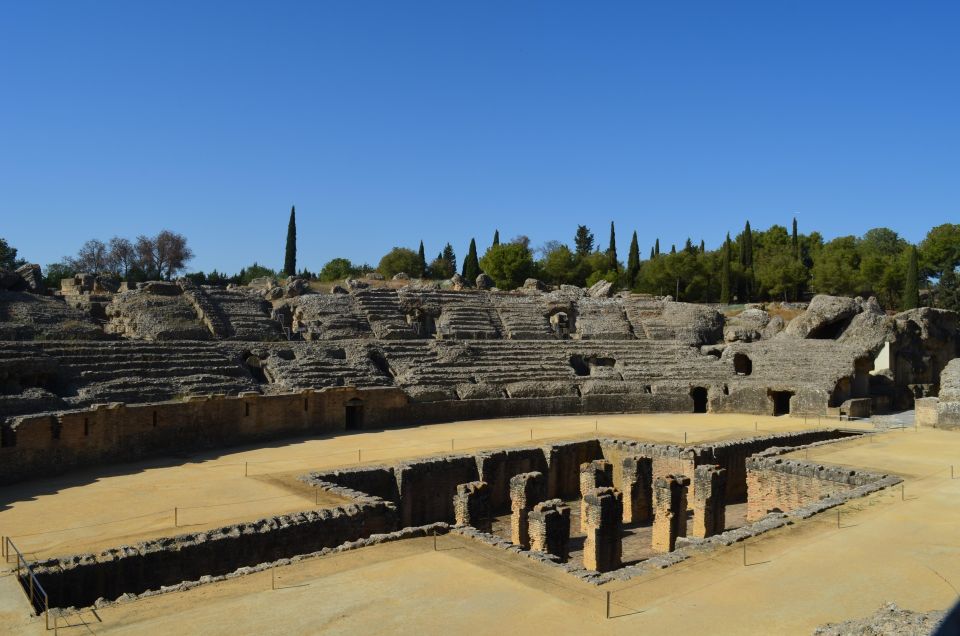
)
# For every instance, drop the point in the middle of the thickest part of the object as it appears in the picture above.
(397, 260)
(338, 269)
(508, 264)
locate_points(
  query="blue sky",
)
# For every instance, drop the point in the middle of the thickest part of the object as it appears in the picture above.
(388, 122)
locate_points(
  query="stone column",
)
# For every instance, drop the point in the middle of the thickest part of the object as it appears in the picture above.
(471, 505)
(669, 511)
(549, 527)
(593, 475)
(603, 547)
(526, 491)
(709, 501)
(637, 489)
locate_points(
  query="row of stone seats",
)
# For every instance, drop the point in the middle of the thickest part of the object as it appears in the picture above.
(464, 315)
(328, 317)
(306, 366)
(602, 319)
(523, 317)
(247, 312)
(25, 316)
(387, 319)
(143, 371)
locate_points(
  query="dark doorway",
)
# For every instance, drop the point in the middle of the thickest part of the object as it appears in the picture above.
(742, 364)
(781, 402)
(354, 414)
(699, 395)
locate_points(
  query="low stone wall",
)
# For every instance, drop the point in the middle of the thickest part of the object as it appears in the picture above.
(775, 484)
(79, 581)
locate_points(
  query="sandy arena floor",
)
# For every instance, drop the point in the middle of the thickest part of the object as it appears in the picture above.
(887, 548)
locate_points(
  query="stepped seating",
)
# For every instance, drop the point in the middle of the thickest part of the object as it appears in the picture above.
(645, 314)
(142, 372)
(464, 315)
(522, 316)
(314, 368)
(386, 317)
(25, 316)
(248, 313)
(209, 313)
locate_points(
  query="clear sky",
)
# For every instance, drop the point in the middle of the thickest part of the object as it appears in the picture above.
(388, 122)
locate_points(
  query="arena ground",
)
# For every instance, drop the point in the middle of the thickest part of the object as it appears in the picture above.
(892, 546)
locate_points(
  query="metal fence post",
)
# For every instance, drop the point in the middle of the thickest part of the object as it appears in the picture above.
(608, 603)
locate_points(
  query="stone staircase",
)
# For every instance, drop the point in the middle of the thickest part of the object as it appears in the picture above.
(247, 313)
(522, 318)
(384, 313)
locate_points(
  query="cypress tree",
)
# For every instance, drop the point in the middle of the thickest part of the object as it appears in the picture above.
(745, 289)
(795, 242)
(656, 248)
(703, 247)
(471, 264)
(423, 261)
(673, 249)
(911, 286)
(290, 257)
(688, 246)
(633, 260)
(725, 273)
(652, 255)
(612, 250)
(496, 237)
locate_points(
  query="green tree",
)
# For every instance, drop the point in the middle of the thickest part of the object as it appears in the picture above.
(795, 241)
(471, 264)
(633, 261)
(948, 291)
(656, 248)
(613, 265)
(583, 241)
(725, 273)
(400, 259)
(8, 257)
(940, 250)
(836, 269)
(560, 266)
(508, 265)
(450, 257)
(256, 270)
(337, 269)
(745, 287)
(496, 237)
(440, 268)
(911, 285)
(421, 270)
(55, 272)
(290, 256)
(703, 247)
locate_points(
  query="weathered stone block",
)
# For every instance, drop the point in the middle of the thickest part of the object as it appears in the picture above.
(670, 511)
(526, 491)
(603, 548)
(709, 501)
(549, 528)
(471, 505)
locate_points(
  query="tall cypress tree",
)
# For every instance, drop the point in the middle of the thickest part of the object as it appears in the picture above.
(673, 249)
(471, 264)
(745, 288)
(496, 237)
(652, 255)
(633, 260)
(290, 257)
(725, 273)
(911, 286)
(656, 248)
(423, 261)
(795, 242)
(703, 247)
(613, 265)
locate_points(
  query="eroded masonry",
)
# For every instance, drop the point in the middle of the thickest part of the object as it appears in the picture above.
(96, 373)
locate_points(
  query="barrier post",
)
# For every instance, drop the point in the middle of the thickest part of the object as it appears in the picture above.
(246, 469)
(531, 434)
(608, 603)
(744, 553)
(838, 518)
(176, 517)
(359, 455)
(451, 444)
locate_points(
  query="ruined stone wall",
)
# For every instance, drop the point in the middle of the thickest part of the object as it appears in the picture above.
(427, 487)
(80, 580)
(777, 484)
(498, 467)
(564, 460)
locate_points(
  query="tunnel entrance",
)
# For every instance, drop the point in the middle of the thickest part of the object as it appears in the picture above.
(699, 395)
(354, 414)
(742, 364)
(781, 401)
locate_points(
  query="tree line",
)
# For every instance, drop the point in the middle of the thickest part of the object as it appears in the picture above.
(752, 266)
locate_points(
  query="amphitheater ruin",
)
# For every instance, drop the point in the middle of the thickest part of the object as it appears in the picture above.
(566, 459)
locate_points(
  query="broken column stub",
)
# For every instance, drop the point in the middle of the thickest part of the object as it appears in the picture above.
(549, 528)
(526, 491)
(637, 489)
(593, 475)
(603, 547)
(471, 505)
(669, 511)
(709, 501)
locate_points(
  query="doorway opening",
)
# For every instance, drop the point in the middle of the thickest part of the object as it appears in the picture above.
(699, 395)
(354, 414)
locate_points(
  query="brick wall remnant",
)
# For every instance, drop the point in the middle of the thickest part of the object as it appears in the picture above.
(471, 505)
(526, 491)
(549, 528)
(593, 475)
(670, 511)
(637, 485)
(603, 547)
(709, 501)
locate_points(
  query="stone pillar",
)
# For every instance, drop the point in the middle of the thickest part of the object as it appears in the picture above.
(526, 491)
(669, 511)
(593, 475)
(637, 489)
(709, 501)
(603, 547)
(549, 527)
(471, 505)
